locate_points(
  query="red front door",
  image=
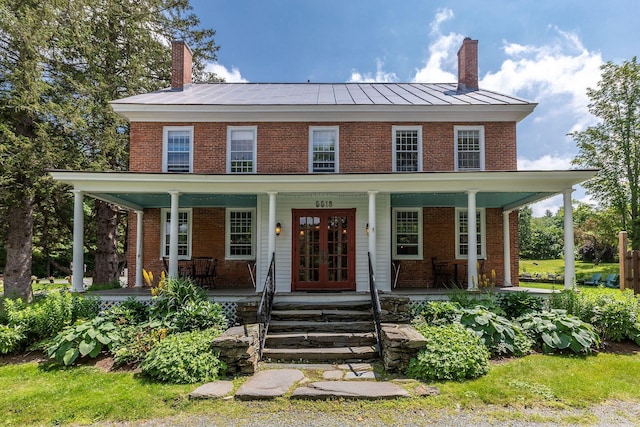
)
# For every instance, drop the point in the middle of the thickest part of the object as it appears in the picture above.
(324, 249)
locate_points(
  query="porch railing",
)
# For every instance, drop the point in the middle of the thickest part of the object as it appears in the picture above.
(266, 302)
(375, 306)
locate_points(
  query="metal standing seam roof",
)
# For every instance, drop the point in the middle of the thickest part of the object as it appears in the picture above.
(309, 94)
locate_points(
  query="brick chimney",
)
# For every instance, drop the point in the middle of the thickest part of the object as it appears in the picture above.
(180, 65)
(468, 65)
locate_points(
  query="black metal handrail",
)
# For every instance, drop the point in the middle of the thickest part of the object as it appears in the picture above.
(375, 306)
(266, 303)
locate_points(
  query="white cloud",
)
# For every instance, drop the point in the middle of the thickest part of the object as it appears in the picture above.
(381, 76)
(442, 53)
(230, 76)
(546, 162)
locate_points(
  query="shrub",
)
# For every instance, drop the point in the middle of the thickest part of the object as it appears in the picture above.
(439, 312)
(83, 339)
(173, 294)
(487, 300)
(556, 331)
(451, 353)
(496, 332)
(137, 340)
(198, 315)
(130, 312)
(11, 339)
(184, 358)
(515, 304)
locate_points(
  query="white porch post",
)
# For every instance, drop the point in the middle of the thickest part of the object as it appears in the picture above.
(139, 216)
(173, 234)
(372, 228)
(569, 261)
(77, 272)
(506, 248)
(271, 239)
(472, 240)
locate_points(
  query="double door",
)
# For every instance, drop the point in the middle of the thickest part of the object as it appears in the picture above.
(324, 249)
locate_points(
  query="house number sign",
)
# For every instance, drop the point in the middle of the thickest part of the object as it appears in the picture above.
(324, 203)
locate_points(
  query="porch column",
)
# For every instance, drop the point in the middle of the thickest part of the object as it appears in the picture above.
(271, 239)
(173, 234)
(77, 271)
(372, 228)
(569, 261)
(506, 248)
(472, 240)
(139, 216)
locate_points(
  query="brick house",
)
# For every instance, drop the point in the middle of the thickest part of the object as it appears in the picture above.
(320, 177)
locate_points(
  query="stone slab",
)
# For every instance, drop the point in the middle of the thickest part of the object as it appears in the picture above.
(269, 384)
(360, 375)
(335, 374)
(212, 390)
(366, 390)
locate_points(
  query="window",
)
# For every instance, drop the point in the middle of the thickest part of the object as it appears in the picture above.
(240, 233)
(407, 236)
(407, 149)
(469, 148)
(323, 149)
(184, 233)
(177, 149)
(462, 233)
(241, 149)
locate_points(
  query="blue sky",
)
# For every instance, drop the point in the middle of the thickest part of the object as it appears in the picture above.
(548, 52)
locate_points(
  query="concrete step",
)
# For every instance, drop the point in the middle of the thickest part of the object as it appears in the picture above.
(364, 305)
(344, 354)
(323, 315)
(305, 326)
(319, 339)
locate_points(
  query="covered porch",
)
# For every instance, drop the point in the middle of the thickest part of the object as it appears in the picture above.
(372, 197)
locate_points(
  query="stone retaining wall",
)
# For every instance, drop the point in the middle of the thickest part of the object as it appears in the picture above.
(400, 343)
(239, 348)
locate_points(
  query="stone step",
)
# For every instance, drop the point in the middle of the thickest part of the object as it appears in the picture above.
(364, 305)
(324, 315)
(319, 339)
(308, 326)
(344, 354)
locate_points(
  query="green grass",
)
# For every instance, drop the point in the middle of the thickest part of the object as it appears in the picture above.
(583, 269)
(30, 395)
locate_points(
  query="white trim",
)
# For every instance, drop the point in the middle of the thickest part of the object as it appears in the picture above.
(163, 232)
(165, 141)
(227, 234)
(395, 129)
(482, 232)
(253, 129)
(394, 234)
(479, 128)
(336, 129)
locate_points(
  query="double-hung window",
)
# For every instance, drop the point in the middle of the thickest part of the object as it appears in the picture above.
(240, 233)
(462, 233)
(469, 148)
(407, 233)
(184, 233)
(407, 148)
(177, 149)
(241, 149)
(323, 149)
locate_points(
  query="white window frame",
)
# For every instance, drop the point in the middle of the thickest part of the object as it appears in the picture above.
(480, 130)
(227, 233)
(254, 130)
(336, 129)
(395, 130)
(164, 231)
(394, 217)
(481, 231)
(165, 146)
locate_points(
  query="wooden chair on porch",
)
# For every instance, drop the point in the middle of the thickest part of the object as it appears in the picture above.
(440, 273)
(204, 271)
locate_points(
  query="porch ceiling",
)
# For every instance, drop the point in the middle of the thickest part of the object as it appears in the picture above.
(504, 200)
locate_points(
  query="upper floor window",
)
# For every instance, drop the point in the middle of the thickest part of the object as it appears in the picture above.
(407, 148)
(240, 233)
(177, 149)
(184, 233)
(407, 233)
(241, 149)
(469, 148)
(462, 233)
(323, 149)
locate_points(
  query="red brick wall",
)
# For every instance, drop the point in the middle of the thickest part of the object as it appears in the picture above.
(284, 147)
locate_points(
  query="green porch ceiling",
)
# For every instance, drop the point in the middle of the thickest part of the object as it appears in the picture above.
(187, 200)
(460, 200)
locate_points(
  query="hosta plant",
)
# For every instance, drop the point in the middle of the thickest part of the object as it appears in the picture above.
(498, 334)
(556, 331)
(84, 339)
